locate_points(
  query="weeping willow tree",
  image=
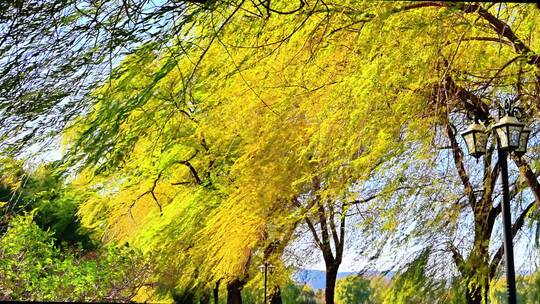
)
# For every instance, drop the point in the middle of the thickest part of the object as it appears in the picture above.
(201, 156)
(480, 58)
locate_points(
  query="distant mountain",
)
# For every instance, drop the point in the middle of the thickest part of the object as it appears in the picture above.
(316, 279)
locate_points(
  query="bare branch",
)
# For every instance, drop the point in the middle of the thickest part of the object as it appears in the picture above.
(267, 6)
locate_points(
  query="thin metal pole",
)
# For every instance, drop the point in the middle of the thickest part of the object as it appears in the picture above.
(265, 269)
(507, 229)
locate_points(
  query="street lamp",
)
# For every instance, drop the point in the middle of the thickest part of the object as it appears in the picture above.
(512, 136)
(476, 139)
(508, 131)
(265, 268)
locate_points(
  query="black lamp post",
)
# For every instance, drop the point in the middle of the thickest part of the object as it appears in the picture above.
(512, 136)
(265, 268)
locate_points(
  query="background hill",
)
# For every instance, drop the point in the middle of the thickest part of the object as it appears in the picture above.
(316, 279)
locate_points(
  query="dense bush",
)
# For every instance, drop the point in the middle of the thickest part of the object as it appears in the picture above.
(33, 268)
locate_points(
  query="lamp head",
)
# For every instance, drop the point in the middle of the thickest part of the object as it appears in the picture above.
(476, 139)
(508, 130)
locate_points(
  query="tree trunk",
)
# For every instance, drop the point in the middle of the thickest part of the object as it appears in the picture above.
(477, 269)
(234, 295)
(205, 298)
(331, 277)
(186, 297)
(477, 293)
(216, 292)
(474, 294)
(275, 297)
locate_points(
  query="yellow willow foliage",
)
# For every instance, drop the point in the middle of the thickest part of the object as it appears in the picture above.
(260, 107)
(11, 173)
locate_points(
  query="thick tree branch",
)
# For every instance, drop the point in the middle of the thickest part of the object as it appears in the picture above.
(324, 240)
(500, 27)
(327, 249)
(339, 248)
(332, 223)
(530, 177)
(314, 233)
(490, 176)
(458, 161)
(192, 169)
(447, 89)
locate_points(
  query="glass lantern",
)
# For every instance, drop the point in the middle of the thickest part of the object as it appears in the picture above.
(523, 141)
(508, 131)
(476, 139)
(271, 268)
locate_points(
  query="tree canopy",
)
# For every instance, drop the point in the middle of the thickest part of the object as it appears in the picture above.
(214, 134)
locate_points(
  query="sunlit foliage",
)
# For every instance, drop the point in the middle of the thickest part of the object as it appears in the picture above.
(210, 146)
